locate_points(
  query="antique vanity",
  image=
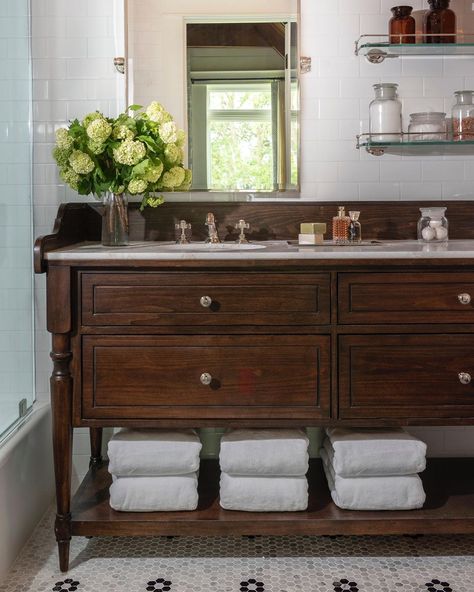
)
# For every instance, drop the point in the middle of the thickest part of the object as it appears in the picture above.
(148, 337)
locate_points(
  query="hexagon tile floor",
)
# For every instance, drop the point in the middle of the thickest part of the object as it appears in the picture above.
(244, 564)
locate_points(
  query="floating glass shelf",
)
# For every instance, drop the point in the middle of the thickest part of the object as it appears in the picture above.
(408, 146)
(377, 48)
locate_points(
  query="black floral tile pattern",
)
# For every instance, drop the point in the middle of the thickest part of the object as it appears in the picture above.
(252, 585)
(438, 586)
(344, 585)
(159, 585)
(68, 585)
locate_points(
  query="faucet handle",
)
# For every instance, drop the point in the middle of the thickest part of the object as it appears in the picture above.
(242, 225)
(182, 227)
(210, 219)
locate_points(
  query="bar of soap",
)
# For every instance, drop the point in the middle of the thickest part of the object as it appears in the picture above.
(313, 228)
(310, 239)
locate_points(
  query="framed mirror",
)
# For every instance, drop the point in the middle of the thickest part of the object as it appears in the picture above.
(229, 74)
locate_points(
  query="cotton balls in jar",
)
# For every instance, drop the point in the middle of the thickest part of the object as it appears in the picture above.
(435, 231)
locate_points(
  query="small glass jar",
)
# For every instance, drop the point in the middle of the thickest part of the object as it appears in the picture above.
(355, 229)
(340, 226)
(402, 26)
(439, 23)
(433, 225)
(463, 115)
(427, 126)
(385, 114)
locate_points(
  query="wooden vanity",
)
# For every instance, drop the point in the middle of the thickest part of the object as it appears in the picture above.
(282, 342)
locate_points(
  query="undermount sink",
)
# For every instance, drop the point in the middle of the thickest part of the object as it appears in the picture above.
(214, 247)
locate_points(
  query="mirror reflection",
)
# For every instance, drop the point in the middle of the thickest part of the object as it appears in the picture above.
(230, 79)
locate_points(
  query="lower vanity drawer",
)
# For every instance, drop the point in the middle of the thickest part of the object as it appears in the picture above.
(406, 376)
(148, 377)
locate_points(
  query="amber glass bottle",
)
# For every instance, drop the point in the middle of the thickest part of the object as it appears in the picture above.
(439, 25)
(402, 26)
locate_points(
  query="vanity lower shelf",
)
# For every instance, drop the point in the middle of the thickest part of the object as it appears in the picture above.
(449, 484)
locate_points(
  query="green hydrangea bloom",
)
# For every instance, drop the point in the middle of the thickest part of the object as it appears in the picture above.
(96, 147)
(81, 162)
(156, 112)
(122, 132)
(174, 177)
(99, 130)
(130, 152)
(70, 177)
(153, 173)
(168, 132)
(61, 156)
(63, 139)
(180, 138)
(137, 186)
(173, 154)
(151, 201)
(90, 117)
(188, 178)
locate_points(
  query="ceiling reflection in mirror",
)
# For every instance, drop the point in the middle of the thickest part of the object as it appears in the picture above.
(238, 95)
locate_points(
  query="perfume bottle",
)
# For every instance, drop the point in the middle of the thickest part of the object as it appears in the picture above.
(340, 226)
(355, 229)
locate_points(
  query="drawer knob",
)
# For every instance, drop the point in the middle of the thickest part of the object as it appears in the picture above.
(464, 378)
(206, 378)
(206, 301)
(464, 298)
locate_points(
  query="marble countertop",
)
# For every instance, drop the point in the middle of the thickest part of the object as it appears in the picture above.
(161, 251)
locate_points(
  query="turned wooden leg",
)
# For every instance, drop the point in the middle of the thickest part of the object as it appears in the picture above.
(61, 403)
(96, 446)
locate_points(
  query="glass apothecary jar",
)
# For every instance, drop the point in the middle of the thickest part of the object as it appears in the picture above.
(427, 126)
(439, 24)
(433, 225)
(385, 114)
(402, 26)
(463, 115)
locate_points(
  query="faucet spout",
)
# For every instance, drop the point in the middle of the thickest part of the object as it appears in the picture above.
(212, 229)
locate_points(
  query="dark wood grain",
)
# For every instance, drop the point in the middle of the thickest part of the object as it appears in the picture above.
(174, 299)
(449, 485)
(159, 377)
(405, 375)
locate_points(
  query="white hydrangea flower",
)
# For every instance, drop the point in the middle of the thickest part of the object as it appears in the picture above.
(70, 177)
(122, 132)
(90, 117)
(174, 177)
(63, 139)
(81, 162)
(188, 178)
(99, 130)
(168, 132)
(173, 154)
(153, 173)
(130, 152)
(137, 186)
(156, 112)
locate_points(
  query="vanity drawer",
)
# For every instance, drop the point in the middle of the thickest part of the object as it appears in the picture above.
(406, 376)
(186, 299)
(166, 377)
(406, 298)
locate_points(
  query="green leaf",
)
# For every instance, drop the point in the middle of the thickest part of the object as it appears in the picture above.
(152, 145)
(135, 107)
(140, 168)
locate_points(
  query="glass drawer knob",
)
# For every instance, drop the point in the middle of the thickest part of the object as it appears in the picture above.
(206, 301)
(206, 379)
(464, 298)
(464, 378)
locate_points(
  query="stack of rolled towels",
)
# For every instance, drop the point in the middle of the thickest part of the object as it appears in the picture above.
(371, 469)
(264, 470)
(154, 470)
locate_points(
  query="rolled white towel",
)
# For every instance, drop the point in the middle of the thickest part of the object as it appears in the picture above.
(154, 494)
(265, 452)
(374, 452)
(151, 452)
(263, 494)
(403, 492)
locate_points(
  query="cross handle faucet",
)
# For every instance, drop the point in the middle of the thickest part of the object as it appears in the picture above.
(242, 225)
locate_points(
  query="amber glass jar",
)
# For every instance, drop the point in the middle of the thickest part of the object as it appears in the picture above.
(402, 26)
(439, 25)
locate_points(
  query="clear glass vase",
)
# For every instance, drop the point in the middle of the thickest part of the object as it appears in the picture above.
(115, 220)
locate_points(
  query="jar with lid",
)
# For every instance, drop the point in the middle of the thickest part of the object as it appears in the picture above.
(385, 114)
(427, 126)
(439, 23)
(433, 225)
(340, 226)
(463, 115)
(402, 26)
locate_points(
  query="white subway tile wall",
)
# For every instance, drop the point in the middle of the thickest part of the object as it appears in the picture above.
(74, 74)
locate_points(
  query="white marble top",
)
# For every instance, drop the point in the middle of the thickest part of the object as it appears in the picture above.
(161, 251)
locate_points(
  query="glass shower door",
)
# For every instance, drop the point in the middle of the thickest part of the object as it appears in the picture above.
(16, 278)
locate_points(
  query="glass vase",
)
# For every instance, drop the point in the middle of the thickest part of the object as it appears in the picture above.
(115, 220)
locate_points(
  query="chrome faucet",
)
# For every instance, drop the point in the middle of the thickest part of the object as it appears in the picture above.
(212, 229)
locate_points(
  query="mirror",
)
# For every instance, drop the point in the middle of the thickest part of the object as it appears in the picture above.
(230, 77)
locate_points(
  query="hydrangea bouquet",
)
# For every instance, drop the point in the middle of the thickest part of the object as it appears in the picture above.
(139, 152)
